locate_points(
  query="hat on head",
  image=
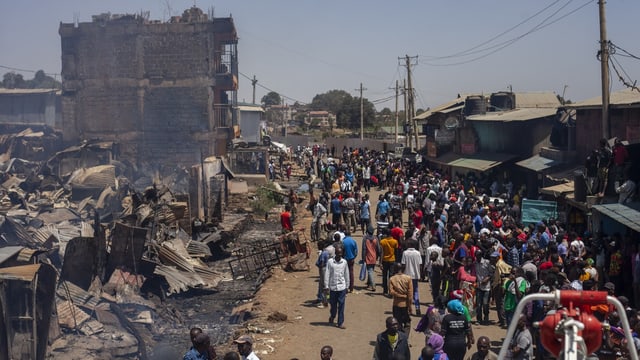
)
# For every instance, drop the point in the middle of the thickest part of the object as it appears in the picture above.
(244, 339)
(610, 286)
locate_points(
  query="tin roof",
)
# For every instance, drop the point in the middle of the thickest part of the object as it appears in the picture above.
(453, 105)
(4, 91)
(525, 114)
(480, 161)
(628, 216)
(558, 190)
(23, 273)
(537, 100)
(537, 163)
(8, 252)
(622, 98)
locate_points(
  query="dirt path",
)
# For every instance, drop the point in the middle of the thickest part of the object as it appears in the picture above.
(306, 329)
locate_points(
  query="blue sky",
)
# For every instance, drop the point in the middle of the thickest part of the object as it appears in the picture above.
(300, 48)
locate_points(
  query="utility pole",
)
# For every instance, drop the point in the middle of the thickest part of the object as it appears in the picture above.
(604, 70)
(410, 109)
(396, 111)
(253, 83)
(407, 133)
(361, 112)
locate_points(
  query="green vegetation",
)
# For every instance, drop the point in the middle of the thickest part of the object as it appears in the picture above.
(265, 199)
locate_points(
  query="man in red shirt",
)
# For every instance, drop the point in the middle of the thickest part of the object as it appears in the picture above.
(417, 218)
(285, 219)
(620, 157)
(396, 232)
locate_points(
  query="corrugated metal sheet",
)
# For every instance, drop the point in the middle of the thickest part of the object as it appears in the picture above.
(622, 98)
(453, 105)
(25, 255)
(98, 176)
(69, 315)
(558, 190)
(8, 252)
(628, 216)
(23, 273)
(565, 174)
(514, 115)
(538, 163)
(58, 215)
(78, 296)
(537, 100)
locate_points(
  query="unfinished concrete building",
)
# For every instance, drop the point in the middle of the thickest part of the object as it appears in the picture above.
(163, 90)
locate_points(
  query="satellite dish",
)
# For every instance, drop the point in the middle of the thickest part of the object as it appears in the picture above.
(451, 123)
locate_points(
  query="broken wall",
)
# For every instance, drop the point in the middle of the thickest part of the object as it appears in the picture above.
(146, 85)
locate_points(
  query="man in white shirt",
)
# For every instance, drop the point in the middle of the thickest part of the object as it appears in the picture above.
(434, 264)
(412, 261)
(336, 282)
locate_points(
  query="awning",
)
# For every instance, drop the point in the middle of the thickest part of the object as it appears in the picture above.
(538, 163)
(558, 190)
(628, 216)
(564, 173)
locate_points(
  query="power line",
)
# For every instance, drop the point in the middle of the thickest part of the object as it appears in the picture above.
(613, 61)
(626, 53)
(497, 47)
(271, 90)
(27, 70)
(466, 52)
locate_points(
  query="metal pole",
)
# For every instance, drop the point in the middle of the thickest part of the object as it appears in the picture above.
(361, 114)
(604, 70)
(396, 112)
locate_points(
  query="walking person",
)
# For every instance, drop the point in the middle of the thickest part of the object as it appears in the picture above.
(401, 290)
(370, 256)
(456, 331)
(389, 246)
(412, 261)
(336, 282)
(483, 287)
(350, 254)
(245, 347)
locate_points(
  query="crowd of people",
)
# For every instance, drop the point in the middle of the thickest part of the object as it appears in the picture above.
(464, 236)
(461, 236)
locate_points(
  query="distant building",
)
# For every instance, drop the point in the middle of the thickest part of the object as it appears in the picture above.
(30, 107)
(163, 90)
(320, 119)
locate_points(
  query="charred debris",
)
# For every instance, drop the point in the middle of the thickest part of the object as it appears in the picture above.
(103, 258)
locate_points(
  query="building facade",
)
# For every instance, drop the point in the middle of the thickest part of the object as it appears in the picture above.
(163, 90)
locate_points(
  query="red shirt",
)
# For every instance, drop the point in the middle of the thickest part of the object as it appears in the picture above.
(397, 233)
(417, 218)
(285, 220)
(620, 154)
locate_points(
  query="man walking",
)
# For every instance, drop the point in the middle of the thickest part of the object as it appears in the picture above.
(412, 261)
(401, 289)
(336, 282)
(389, 245)
(483, 288)
(370, 256)
(350, 254)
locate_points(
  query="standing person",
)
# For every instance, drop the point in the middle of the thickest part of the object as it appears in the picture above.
(231, 355)
(392, 342)
(389, 246)
(201, 346)
(370, 255)
(521, 345)
(434, 266)
(501, 272)
(245, 347)
(424, 238)
(365, 213)
(350, 254)
(326, 353)
(326, 254)
(401, 290)
(456, 331)
(336, 282)
(336, 209)
(412, 261)
(285, 219)
(514, 289)
(483, 352)
(483, 287)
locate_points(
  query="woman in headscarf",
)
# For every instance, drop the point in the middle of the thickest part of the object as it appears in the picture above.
(456, 331)
(436, 342)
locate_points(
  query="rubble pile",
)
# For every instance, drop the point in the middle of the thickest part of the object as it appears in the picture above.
(102, 269)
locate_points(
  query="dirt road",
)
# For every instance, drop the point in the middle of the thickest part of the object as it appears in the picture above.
(306, 329)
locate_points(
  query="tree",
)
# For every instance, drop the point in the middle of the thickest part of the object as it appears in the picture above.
(272, 98)
(12, 80)
(345, 107)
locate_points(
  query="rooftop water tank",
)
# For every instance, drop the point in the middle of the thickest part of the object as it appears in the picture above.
(502, 101)
(475, 105)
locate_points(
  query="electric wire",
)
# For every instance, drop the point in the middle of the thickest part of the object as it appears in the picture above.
(613, 61)
(271, 90)
(497, 47)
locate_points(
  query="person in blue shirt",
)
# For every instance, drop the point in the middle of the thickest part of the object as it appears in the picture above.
(200, 348)
(477, 221)
(382, 210)
(350, 254)
(336, 210)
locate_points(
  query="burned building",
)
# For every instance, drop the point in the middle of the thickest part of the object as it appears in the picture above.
(163, 90)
